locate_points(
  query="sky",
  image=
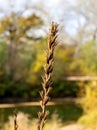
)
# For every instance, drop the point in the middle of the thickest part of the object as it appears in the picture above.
(58, 10)
(61, 11)
(54, 7)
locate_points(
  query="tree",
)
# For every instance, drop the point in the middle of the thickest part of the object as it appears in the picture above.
(17, 30)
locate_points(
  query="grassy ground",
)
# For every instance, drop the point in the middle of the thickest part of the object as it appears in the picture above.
(67, 112)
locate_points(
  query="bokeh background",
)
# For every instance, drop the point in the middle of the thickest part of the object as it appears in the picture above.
(24, 28)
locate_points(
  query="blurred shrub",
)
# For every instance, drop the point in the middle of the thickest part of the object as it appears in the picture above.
(90, 98)
(89, 119)
(26, 123)
(89, 104)
(65, 89)
(9, 90)
(85, 62)
(27, 75)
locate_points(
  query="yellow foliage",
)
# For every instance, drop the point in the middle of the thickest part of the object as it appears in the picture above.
(89, 104)
(39, 63)
(21, 24)
(90, 99)
(89, 119)
(32, 80)
(36, 68)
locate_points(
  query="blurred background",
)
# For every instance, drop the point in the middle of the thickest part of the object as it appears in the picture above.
(24, 28)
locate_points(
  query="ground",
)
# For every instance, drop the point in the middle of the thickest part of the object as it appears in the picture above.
(75, 127)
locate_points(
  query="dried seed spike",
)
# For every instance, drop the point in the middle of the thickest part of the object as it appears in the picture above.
(40, 115)
(41, 94)
(46, 113)
(53, 39)
(49, 89)
(41, 104)
(43, 78)
(45, 100)
(15, 120)
(48, 68)
(43, 85)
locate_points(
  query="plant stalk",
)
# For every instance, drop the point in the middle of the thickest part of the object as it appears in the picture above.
(47, 77)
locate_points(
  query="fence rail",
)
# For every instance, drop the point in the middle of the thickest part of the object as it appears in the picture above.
(80, 78)
(51, 103)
